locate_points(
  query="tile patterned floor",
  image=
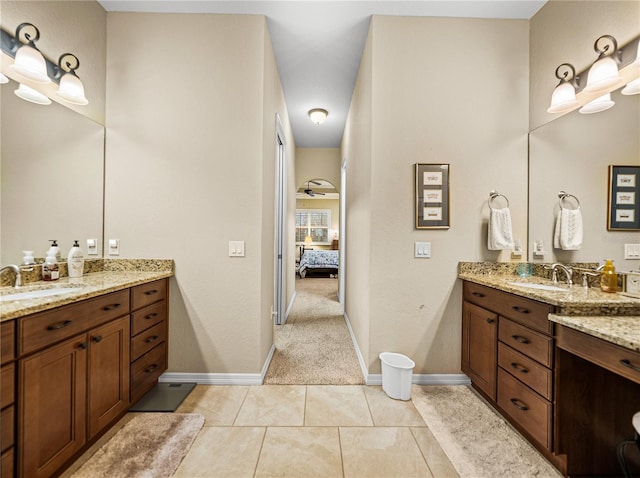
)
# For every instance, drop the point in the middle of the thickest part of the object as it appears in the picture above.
(309, 431)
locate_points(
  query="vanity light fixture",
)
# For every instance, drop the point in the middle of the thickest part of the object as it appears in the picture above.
(563, 98)
(71, 88)
(318, 115)
(604, 72)
(633, 88)
(28, 61)
(602, 103)
(29, 94)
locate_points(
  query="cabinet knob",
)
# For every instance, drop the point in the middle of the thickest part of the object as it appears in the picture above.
(84, 345)
(97, 338)
(490, 320)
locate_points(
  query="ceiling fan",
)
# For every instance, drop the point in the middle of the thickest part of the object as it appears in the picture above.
(310, 191)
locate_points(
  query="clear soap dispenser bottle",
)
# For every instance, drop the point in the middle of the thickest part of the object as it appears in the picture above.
(609, 278)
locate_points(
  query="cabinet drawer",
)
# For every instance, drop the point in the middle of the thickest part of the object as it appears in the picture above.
(528, 371)
(146, 294)
(40, 330)
(7, 385)
(528, 312)
(7, 428)
(532, 344)
(7, 464)
(614, 358)
(147, 317)
(528, 409)
(148, 339)
(146, 370)
(7, 341)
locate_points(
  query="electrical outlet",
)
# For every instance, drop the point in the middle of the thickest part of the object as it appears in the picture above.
(114, 247)
(92, 247)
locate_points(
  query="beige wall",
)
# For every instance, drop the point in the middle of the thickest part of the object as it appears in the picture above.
(190, 166)
(318, 163)
(77, 27)
(429, 107)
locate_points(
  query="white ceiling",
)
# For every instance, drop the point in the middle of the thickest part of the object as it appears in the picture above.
(318, 45)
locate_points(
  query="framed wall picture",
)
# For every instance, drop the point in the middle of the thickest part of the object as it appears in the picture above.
(623, 211)
(432, 196)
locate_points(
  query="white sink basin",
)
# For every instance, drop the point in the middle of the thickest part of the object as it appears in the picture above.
(529, 285)
(34, 294)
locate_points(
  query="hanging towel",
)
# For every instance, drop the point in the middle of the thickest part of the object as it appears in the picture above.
(568, 233)
(500, 235)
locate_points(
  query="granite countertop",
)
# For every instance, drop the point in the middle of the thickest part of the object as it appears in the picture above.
(623, 331)
(86, 287)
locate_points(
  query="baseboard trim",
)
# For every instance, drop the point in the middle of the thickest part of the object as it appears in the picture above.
(363, 366)
(267, 362)
(426, 379)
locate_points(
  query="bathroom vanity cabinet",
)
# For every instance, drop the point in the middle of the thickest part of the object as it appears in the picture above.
(76, 373)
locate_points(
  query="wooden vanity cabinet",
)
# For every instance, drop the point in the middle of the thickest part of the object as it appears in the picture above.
(507, 352)
(7, 398)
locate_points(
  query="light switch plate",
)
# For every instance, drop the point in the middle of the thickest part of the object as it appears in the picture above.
(92, 247)
(236, 248)
(422, 250)
(114, 247)
(632, 251)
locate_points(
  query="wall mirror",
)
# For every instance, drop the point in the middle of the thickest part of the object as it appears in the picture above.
(52, 168)
(573, 153)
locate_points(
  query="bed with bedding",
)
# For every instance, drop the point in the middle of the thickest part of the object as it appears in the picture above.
(318, 262)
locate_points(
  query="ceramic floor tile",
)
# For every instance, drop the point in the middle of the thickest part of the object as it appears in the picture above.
(381, 452)
(223, 452)
(219, 404)
(388, 412)
(273, 405)
(333, 405)
(437, 460)
(300, 452)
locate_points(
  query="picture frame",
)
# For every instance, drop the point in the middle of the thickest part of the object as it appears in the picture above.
(432, 196)
(623, 210)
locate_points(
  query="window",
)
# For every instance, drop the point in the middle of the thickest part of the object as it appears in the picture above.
(314, 223)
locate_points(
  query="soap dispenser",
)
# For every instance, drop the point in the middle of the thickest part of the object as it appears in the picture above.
(609, 278)
(54, 250)
(75, 260)
(50, 268)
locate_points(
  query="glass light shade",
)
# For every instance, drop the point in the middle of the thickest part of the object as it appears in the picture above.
(632, 88)
(72, 90)
(599, 104)
(563, 98)
(29, 94)
(308, 240)
(29, 63)
(3, 79)
(603, 74)
(318, 115)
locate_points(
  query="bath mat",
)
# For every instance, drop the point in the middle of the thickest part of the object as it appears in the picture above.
(150, 445)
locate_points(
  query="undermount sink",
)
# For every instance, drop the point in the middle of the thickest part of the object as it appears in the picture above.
(529, 285)
(34, 294)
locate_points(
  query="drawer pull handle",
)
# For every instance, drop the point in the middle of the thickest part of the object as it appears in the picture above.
(478, 294)
(150, 316)
(153, 338)
(627, 363)
(519, 368)
(151, 368)
(151, 292)
(97, 339)
(490, 320)
(522, 340)
(519, 405)
(110, 307)
(59, 325)
(522, 310)
(84, 345)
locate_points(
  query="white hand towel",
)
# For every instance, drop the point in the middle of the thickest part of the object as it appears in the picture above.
(556, 232)
(500, 236)
(571, 229)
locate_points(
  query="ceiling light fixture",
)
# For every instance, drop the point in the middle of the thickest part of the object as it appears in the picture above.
(318, 115)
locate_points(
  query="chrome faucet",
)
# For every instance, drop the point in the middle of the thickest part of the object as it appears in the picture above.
(568, 272)
(16, 269)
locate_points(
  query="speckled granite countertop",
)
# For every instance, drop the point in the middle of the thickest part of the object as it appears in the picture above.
(86, 287)
(623, 331)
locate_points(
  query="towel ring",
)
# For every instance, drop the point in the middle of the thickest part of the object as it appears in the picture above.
(493, 195)
(565, 196)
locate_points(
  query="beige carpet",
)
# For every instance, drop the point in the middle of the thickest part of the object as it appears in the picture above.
(314, 346)
(150, 445)
(478, 442)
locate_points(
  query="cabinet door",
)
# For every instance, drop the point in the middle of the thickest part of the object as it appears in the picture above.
(108, 373)
(479, 347)
(52, 407)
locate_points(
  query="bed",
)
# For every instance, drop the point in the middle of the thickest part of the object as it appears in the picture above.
(318, 262)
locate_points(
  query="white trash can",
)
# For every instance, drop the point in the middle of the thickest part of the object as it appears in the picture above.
(397, 370)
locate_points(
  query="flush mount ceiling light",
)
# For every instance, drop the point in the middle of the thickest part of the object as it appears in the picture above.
(71, 88)
(318, 115)
(29, 63)
(604, 72)
(599, 104)
(31, 95)
(563, 98)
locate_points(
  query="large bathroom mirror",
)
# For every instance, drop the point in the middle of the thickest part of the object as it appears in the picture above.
(573, 154)
(52, 168)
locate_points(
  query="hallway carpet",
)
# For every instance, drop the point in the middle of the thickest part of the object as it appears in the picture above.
(314, 346)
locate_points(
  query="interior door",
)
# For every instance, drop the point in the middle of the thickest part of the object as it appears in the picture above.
(279, 308)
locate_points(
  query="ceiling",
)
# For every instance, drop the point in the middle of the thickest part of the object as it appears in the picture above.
(318, 45)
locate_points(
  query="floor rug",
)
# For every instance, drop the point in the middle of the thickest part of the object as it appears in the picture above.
(478, 442)
(151, 445)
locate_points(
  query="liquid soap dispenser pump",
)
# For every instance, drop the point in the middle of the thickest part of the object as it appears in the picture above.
(75, 261)
(50, 268)
(54, 250)
(609, 278)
